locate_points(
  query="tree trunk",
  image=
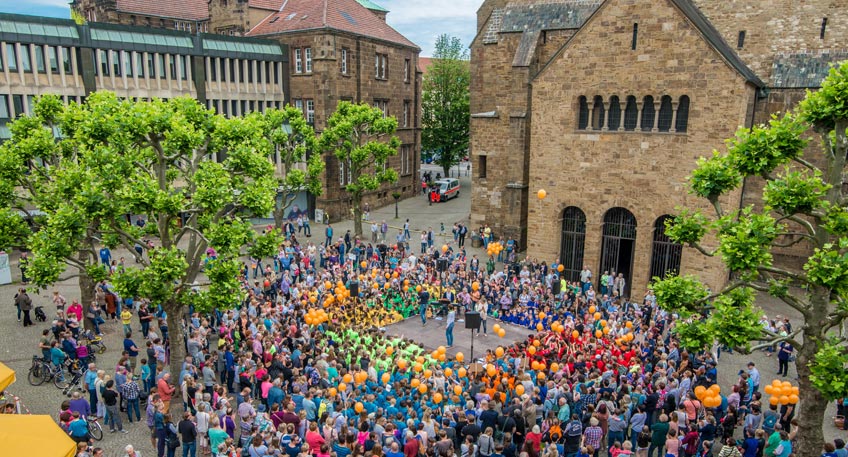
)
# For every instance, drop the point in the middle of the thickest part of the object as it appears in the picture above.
(810, 410)
(357, 216)
(177, 353)
(86, 288)
(279, 212)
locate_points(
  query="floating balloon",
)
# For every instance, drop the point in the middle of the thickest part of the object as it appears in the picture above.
(560, 268)
(415, 382)
(385, 378)
(531, 350)
(457, 390)
(448, 372)
(499, 352)
(332, 391)
(501, 333)
(542, 194)
(461, 372)
(519, 389)
(575, 334)
(358, 407)
(460, 357)
(437, 398)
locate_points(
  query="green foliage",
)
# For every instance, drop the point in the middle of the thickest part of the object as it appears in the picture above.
(745, 242)
(827, 369)
(795, 192)
(735, 322)
(828, 267)
(227, 237)
(714, 177)
(159, 281)
(694, 335)
(224, 290)
(687, 227)
(445, 102)
(679, 294)
(761, 149)
(822, 107)
(266, 244)
(13, 229)
(128, 282)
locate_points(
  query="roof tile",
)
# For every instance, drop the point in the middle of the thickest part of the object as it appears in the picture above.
(273, 5)
(344, 15)
(191, 10)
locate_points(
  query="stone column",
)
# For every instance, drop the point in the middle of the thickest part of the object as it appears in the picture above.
(591, 115)
(656, 116)
(638, 116)
(605, 126)
(672, 128)
(621, 116)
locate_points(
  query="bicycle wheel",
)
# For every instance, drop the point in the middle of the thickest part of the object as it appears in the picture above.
(61, 381)
(102, 348)
(36, 375)
(95, 430)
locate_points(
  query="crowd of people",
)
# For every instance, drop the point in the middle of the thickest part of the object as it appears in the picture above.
(601, 374)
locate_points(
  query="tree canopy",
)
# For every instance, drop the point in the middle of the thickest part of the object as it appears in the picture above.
(446, 121)
(803, 207)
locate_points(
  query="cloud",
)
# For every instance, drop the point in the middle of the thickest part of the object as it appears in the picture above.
(422, 21)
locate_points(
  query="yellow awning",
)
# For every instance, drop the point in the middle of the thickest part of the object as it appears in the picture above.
(22, 434)
(7, 376)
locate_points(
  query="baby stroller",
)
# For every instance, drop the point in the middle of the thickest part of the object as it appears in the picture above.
(40, 316)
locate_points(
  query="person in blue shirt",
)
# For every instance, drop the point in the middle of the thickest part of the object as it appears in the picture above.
(78, 429)
(329, 233)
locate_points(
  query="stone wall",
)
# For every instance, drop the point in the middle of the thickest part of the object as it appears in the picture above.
(643, 172)
(773, 26)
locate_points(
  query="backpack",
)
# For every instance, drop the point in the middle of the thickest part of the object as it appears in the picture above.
(171, 439)
(769, 421)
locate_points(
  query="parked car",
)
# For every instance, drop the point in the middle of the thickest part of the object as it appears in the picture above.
(448, 188)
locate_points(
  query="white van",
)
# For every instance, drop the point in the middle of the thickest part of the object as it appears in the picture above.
(448, 188)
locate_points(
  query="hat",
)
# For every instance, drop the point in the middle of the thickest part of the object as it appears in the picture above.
(261, 408)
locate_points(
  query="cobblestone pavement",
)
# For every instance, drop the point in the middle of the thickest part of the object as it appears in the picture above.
(18, 344)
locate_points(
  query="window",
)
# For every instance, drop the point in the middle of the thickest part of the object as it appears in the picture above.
(572, 242)
(104, 63)
(406, 70)
(740, 41)
(40, 65)
(117, 58)
(182, 25)
(66, 60)
(276, 73)
(682, 114)
(582, 113)
(666, 114)
(345, 53)
(310, 111)
(151, 65)
(249, 64)
(614, 121)
(298, 103)
(381, 65)
(298, 61)
(598, 113)
(26, 60)
(631, 114)
(225, 108)
(823, 28)
(11, 57)
(382, 105)
(139, 64)
(18, 105)
(341, 172)
(53, 55)
(635, 36)
(405, 160)
(307, 56)
(648, 113)
(184, 67)
(240, 66)
(172, 65)
(406, 112)
(4, 107)
(665, 253)
(161, 62)
(481, 166)
(128, 63)
(213, 68)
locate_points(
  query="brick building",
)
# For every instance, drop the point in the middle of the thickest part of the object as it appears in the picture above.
(607, 104)
(341, 50)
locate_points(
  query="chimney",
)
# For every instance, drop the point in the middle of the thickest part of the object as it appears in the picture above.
(376, 9)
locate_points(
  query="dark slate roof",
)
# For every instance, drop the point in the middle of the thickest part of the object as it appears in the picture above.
(715, 40)
(569, 14)
(804, 69)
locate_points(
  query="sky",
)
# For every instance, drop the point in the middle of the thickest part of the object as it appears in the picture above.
(419, 20)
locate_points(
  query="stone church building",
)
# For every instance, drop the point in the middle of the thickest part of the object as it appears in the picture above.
(336, 50)
(606, 105)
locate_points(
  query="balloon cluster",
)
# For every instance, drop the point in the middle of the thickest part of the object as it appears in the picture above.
(494, 249)
(711, 397)
(316, 316)
(782, 393)
(499, 330)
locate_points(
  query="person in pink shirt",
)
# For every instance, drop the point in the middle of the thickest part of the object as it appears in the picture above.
(672, 444)
(314, 439)
(265, 386)
(76, 310)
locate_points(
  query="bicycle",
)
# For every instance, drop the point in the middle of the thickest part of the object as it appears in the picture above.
(38, 371)
(61, 382)
(94, 428)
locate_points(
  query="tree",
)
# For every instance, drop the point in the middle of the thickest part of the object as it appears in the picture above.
(60, 185)
(355, 135)
(445, 101)
(162, 152)
(803, 202)
(293, 139)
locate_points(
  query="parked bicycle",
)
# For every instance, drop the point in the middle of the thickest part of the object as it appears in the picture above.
(94, 428)
(42, 371)
(67, 383)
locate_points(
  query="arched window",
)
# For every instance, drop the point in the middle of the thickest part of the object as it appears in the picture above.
(583, 114)
(682, 114)
(666, 114)
(618, 245)
(614, 113)
(665, 253)
(573, 238)
(631, 114)
(648, 113)
(598, 113)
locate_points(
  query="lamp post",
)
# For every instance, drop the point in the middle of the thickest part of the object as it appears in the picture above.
(396, 196)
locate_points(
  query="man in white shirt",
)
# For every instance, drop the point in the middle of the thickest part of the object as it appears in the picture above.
(482, 307)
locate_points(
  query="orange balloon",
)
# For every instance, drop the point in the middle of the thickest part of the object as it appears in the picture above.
(541, 194)
(519, 389)
(598, 333)
(501, 333)
(444, 248)
(575, 334)
(437, 398)
(606, 330)
(534, 365)
(385, 378)
(768, 389)
(422, 388)
(448, 372)
(793, 399)
(539, 327)
(386, 286)
(389, 350)
(699, 392)
(542, 315)
(628, 324)
(342, 387)
(401, 364)
(554, 367)
(358, 407)
(603, 322)
(540, 375)
(415, 382)
(418, 288)
(491, 370)
(461, 372)
(531, 350)
(332, 391)
(428, 372)
(460, 357)
(363, 264)
(597, 316)
(417, 367)
(560, 268)
(457, 390)
(499, 352)
(784, 399)
(388, 275)
(475, 285)
(592, 309)
(537, 343)
(347, 378)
